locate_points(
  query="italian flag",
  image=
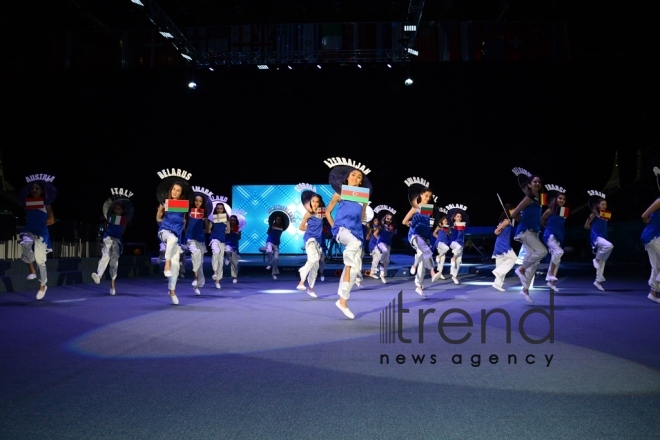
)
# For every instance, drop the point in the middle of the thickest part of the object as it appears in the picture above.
(117, 220)
(220, 218)
(606, 215)
(459, 226)
(176, 205)
(32, 203)
(426, 209)
(197, 213)
(563, 212)
(355, 193)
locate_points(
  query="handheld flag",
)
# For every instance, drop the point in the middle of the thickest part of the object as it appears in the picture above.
(563, 211)
(117, 220)
(355, 193)
(34, 203)
(459, 226)
(543, 199)
(321, 212)
(197, 213)
(426, 209)
(220, 218)
(176, 205)
(606, 215)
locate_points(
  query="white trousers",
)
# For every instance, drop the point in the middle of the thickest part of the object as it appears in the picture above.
(535, 252)
(35, 250)
(172, 252)
(109, 255)
(218, 255)
(653, 249)
(310, 270)
(352, 257)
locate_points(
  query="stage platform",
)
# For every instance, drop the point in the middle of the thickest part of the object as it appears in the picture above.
(260, 359)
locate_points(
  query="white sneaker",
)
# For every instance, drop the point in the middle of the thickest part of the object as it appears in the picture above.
(267, 267)
(174, 299)
(455, 280)
(654, 298)
(235, 280)
(33, 276)
(217, 285)
(598, 286)
(527, 297)
(167, 273)
(419, 290)
(214, 277)
(96, 277)
(498, 287)
(197, 292)
(301, 287)
(311, 293)
(194, 283)
(522, 276)
(382, 278)
(275, 277)
(373, 275)
(552, 286)
(42, 293)
(551, 278)
(112, 291)
(226, 262)
(345, 310)
(322, 278)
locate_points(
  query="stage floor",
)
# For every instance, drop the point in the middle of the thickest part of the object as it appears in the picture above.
(260, 359)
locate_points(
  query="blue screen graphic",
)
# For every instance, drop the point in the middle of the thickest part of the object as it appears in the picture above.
(259, 201)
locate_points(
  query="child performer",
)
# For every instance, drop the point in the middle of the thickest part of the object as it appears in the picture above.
(312, 225)
(352, 191)
(651, 242)
(37, 196)
(442, 241)
(173, 194)
(196, 228)
(505, 257)
(383, 247)
(528, 212)
(418, 220)
(218, 228)
(278, 222)
(458, 221)
(597, 223)
(553, 220)
(236, 225)
(118, 212)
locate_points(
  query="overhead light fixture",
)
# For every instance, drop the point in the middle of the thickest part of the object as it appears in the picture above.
(359, 66)
(188, 57)
(413, 52)
(263, 66)
(290, 68)
(408, 82)
(318, 66)
(166, 34)
(410, 28)
(389, 65)
(137, 2)
(192, 85)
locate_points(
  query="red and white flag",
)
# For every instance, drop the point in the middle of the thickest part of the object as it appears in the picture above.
(459, 226)
(563, 211)
(197, 213)
(34, 203)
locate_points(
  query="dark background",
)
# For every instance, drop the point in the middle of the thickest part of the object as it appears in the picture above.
(462, 126)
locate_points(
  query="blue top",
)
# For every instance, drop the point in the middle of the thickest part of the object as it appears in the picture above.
(195, 230)
(173, 222)
(530, 218)
(456, 235)
(598, 229)
(420, 224)
(232, 240)
(219, 232)
(314, 229)
(554, 226)
(114, 231)
(503, 241)
(35, 223)
(385, 235)
(443, 237)
(349, 216)
(652, 229)
(273, 234)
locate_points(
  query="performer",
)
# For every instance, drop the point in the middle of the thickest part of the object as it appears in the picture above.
(528, 215)
(312, 225)
(553, 220)
(237, 223)
(218, 228)
(173, 194)
(597, 223)
(118, 212)
(37, 197)
(458, 221)
(352, 191)
(505, 257)
(651, 242)
(442, 241)
(382, 249)
(278, 222)
(419, 232)
(196, 228)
